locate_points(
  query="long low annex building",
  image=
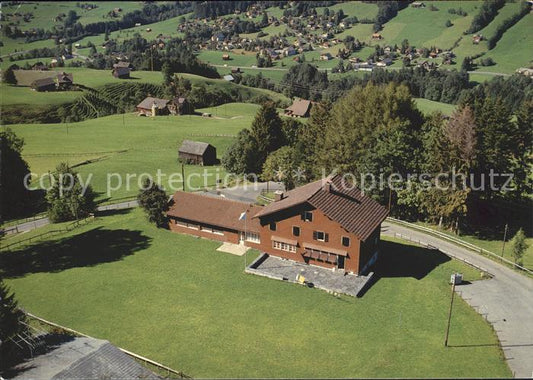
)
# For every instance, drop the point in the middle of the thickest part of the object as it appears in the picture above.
(323, 223)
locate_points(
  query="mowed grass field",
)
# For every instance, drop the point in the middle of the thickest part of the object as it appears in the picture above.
(21, 94)
(129, 144)
(177, 300)
(429, 106)
(44, 13)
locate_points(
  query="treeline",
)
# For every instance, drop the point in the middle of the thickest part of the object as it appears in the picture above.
(143, 56)
(376, 132)
(487, 12)
(387, 10)
(213, 9)
(306, 81)
(525, 9)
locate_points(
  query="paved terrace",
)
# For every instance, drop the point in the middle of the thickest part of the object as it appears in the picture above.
(321, 278)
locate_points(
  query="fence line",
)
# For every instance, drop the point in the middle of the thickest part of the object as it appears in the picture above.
(67, 228)
(11, 223)
(129, 353)
(460, 242)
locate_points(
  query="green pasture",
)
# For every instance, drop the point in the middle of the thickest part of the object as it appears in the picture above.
(175, 299)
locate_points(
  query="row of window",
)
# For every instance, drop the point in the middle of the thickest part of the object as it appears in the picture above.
(253, 237)
(307, 216)
(283, 246)
(211, 230)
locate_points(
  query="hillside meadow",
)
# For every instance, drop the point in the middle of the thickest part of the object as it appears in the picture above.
(130, 144)
(175, 299)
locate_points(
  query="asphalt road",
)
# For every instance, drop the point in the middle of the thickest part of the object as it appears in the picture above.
(506, 300)
(28, 226)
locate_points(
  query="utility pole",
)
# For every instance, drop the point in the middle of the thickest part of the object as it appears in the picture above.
(183, 177)
(504, 237)
(450, 314)
(390, 198)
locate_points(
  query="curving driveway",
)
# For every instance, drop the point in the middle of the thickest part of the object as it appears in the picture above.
(506, 300)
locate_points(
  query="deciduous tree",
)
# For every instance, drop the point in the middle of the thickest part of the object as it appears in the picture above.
(154, 201)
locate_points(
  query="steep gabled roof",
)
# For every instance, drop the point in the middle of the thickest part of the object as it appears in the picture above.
(149, 101)
(344, 203)
(193, 147)
(215, 211)
(299, 107)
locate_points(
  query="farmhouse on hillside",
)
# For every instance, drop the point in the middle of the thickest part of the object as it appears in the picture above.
(323, 223)
(299, 108)
(198, 153)
(153, 107)
(44, 84)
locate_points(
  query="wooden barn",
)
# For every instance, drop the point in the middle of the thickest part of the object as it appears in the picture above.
(44, 84)
(121, 72)
(196, 152)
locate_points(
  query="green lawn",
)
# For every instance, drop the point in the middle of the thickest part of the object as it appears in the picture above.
(45, 12)
(130, 144)
(515, 48)
(425, 28)
(175, 299)
(428, 106)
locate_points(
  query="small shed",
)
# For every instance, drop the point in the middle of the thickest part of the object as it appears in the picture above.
(121, 72)
(198, 153)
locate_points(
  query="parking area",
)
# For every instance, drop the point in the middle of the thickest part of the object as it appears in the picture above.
(317, 277)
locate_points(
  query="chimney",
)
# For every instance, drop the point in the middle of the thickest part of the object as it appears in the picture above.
(278, 195)
(327, 187)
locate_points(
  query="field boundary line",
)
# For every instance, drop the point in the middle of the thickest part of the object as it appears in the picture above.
(459, 242)
(129, 353)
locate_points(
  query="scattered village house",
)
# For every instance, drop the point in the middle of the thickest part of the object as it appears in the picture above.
(323, 223)
(156, 107)
(153, 107)
(198, 153)
(299, 108)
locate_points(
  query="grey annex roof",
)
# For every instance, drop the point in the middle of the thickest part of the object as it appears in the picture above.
(344, 203)
(149, 101)
(193, 147)
(43, 82)
(83, 358)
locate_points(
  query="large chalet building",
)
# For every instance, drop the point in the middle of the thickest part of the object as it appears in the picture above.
(322, 223)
